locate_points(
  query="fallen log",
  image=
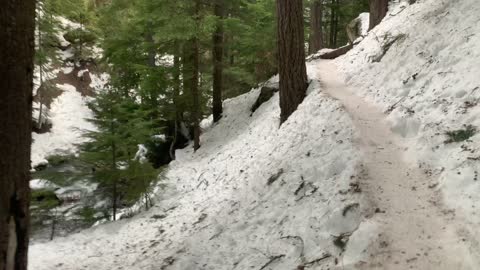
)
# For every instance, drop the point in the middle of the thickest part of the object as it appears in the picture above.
(332, 54)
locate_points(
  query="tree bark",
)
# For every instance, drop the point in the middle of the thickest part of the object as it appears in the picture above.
(337, 18)
(114, 168)
(332, 24)
(218, 61)
(316, 31)
(195, 81)
(150, 42)
(378, 11)
(176, 95)
(291, 56)
(17, 21)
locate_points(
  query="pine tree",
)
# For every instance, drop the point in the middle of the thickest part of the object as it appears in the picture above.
(291, 52)
(122, 125)
(17, 21)
(316, 25)
(45, 54)
(218, 61)
(195, 79)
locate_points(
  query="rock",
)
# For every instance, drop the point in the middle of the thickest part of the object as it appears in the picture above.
(266, 93)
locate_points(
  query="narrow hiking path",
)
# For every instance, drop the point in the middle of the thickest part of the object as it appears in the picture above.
(415, 231)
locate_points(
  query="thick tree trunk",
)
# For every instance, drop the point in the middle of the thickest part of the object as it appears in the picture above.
(195, 82)
(378, 11)
(17, 23)
(316, 31)
(291, 56)
(218, 62)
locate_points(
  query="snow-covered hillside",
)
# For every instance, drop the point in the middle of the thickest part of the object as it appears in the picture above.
(427, 83)
(253, 195)
(68, 112)
(359, 177)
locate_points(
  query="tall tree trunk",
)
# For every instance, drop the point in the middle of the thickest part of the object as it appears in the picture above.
(39, 90)
(150, 47)
(176, 95)
(218, 61)
(378, 11)
(195, 81)
(114, 169)
(291, 54)
(17, 21)
(332, 24)
(337, 18)
(316, 31)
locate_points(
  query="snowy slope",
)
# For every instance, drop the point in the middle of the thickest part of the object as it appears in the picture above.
(218, 211)
(427, 83)
(68, 114)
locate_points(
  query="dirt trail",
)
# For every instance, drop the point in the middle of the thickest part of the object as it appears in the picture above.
(415, 232)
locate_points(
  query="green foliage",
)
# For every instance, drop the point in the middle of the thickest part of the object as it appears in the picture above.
(76, 36)
(44, 200)
(461, 134)
(87, 214)
(122, 124)
(56, 160)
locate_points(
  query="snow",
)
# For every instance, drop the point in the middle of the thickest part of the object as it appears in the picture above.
(141, 153)
(41, 184)
(215, 208)
(82, 72)
(99, 81)
(364, 23)
(164, 60)
(66, 23)
(67, 69)
(430, 77)
(69, 114)
(256, 191)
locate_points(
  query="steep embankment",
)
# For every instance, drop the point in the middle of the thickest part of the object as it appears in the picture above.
(71, 85)
(414, 229)
(255, 195)
(420, 67)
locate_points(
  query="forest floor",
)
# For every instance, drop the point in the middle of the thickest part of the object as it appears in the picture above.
(416, 230)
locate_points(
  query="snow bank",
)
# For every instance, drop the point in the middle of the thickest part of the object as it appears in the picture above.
(254, 195)
(36, 184)
(69, 114)
(421, 66)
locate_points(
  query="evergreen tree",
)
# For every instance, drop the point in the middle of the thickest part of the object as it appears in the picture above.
(45, 53)
(291, 52)
(316, 26)
(122, 125)
(217, 109)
